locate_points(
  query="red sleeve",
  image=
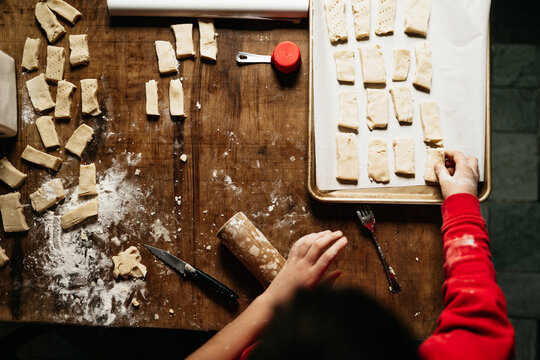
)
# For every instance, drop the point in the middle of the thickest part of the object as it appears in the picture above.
(474, 323)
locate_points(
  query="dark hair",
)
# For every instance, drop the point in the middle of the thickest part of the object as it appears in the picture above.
(333, 324)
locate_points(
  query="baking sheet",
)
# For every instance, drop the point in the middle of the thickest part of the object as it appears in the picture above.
(458, 36)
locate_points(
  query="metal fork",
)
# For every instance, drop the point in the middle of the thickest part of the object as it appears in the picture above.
(367, 218)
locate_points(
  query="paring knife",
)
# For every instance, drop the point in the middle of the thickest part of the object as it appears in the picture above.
(186, 269)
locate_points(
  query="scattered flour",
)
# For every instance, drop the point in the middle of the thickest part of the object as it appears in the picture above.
(158, 230)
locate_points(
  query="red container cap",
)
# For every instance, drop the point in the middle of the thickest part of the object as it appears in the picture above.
(286, 57)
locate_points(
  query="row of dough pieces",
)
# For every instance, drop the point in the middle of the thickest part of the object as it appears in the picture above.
(416, 18)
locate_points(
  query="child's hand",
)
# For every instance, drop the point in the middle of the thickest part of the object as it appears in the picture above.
(308, 261)
(462, 177)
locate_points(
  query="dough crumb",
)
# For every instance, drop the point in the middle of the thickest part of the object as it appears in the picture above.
(135, 303)
(156, 317)
(205, 211)
(183, 158)
(3, 257)
(417, 314)
(198, 105)
(209, 247)
(137, 172)
(171, 312)
(417, 260)
(178, 200)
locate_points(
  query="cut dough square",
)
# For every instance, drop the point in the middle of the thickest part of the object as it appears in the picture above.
(152, 103)
(90, 105)
(386, 15)
(176, 98)
(361, 10)
(38, 89)
(404, 156)
(78, 50)
(348, 110)
(344, 65)
(402, 60)
(167, 62)
(47, 131)
(347, 157)
(377, 109)
(429, 115)
(80, 214)
(65, 10)
(40, 158)
(87, 180)
(64, 93)
(30, 58)
(417, 16)
(49, 194)
(208, 39)
(79, 139)
(373, 70)
(403, 104)
(433, 156)
(49, 23)
(55, 63)
(12, 213)
(335, 20)
(10, 175)
(378, 161)
(424, 69)
(183, 33)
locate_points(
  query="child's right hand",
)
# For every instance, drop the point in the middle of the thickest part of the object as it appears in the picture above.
(460, 178)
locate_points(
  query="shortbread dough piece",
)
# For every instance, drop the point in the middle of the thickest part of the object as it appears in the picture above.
(433, 156)
(417, 16)
(183, 33)
(10, 175)
(12, 213)
(55, 63)
(30, 58)
(429, 115)
(347, 157)
(40, 158)
(348, 110)
(80, 138)
(65, 10)
(404, 156)
(424, 68)
(167, 62)
(377, 109)
(49, 194)
(208, 39)
(344, 65)
(176, 98)
(378, 161)
(3, 257)
(38, 89)
(403, 104)
(335, 20)
(80, 214)
(78, 50)
(361, 10)
(385, 17)
(49, 23)
(402, 60)
(47, 131)
(64, 93)
(87, 180)
(90, 105)
(127, 264)
(373, 70)
(152, 107)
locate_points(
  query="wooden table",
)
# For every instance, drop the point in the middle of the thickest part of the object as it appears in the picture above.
(247, 148)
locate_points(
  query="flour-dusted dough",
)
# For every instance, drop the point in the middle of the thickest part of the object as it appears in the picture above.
(40, 158)
(38, 89)
(403, 104)
(3, 257)
(167, 62)
(87, 180)
(335, 20)
(361, 10)
(78, 50)
(176, 98)
(417, 16)
(183, 33)
(55, 63)
(373, 70)
(80, 214)
(377, 109)
(12, 213)
(404, 156)
(49, 23)
(386, 15)
(10, 175)
(402, 60)
(90, 105)
(208, 39)
(344, 65)
(30, 58)
(152, 103)
(429, 115)
(424, 67)
(47, 131)
(347, 157)
(79, 139)
(433, 156)
(378, 161)
(65, 10)
(49, 194)
(64, 93)
(127, 264)
(348, 110)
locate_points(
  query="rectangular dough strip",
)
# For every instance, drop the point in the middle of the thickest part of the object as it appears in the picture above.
(335, 20)
(80, 214)
(79, 139)
(403, 104)
(348, 110)
(65, 10)
(386, 15)
(361, 10)
(344, 66)
(47, 131)
(424, 67)
(40, 158)
(183, 33)
(10, 175)
(176, 98)
(78, 50)
(402, 60)
(39, 93)
(64, 94)
(87, 180)
(377, 109)
(208, 39)
(152, 103)
(167, 62)
(30, 58)
(12, 213)
(429, 116)
(373, 68)
(433, 156)
(55, 63)
(347, 157)
(90, 105)
(378, 161)
(49, 23)
(417, 17)
(49, 194)
(404, 156)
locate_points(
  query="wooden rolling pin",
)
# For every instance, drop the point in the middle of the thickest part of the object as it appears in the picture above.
(252, 248)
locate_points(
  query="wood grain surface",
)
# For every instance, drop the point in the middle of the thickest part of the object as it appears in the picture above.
(247, 149)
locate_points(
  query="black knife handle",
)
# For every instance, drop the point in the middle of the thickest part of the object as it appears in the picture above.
(212, 283)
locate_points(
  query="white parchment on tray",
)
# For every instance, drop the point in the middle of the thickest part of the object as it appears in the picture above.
(457, 35)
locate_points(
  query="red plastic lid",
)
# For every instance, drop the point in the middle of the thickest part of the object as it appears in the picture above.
(286, 57)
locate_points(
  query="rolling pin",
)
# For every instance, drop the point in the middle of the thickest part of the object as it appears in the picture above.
(252, 248)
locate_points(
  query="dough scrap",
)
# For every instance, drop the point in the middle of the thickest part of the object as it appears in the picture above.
(40, 158)
(79, 139)
(433, 156)
(87, 180)
(152, 101)
(373, 68)
(386, 15)
(377, 109)
(348, 110)
(167, 62)
(361, 10)
(10, 175)
(47, 131)
(78, 50)
(378, 161)
(347, 157)
(80, 214)
(49, 194)
(404, 156)
(176, 98)
(431, 125)
(3, 257)
(402, 60)
(49, 23)
(403, 104)
(183, 33)
(208, 39)
(30, 58)
(55, 63)
(38, 89)
(417, 17)
(65, 10)
(424, 67)
(90, 105)
(12, 213)
(335, 20)
(344, 65)
(9, 110)
(127, 264)
(64, 93)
